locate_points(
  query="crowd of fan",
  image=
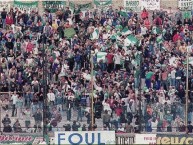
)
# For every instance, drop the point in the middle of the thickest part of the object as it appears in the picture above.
(35, 53)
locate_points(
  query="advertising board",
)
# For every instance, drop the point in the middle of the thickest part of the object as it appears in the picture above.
(85, 137)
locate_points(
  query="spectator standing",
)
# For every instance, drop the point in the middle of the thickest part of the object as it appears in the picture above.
(38, 119)
(3, 17)
(14, 99)
(19, 107)
(106, 119)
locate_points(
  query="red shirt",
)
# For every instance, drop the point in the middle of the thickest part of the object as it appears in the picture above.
(147, 24)
(118, 111)
(109, 57)
(29, 47)
(9, 21)
(177, 37)
(144, 15)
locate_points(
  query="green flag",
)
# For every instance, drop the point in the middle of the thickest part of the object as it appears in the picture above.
(131, 40)
(187, 15)
(126, 31)
(123, 14)
(102, 2)
(69, 32)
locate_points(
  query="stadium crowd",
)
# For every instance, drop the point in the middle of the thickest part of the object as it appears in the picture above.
(139, 62)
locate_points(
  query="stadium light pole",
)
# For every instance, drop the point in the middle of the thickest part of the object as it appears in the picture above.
(187, 79)
(92, 89)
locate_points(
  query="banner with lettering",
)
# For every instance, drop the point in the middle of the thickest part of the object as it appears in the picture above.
(185, 4)
(85, 138)
(102, 2)
(134, 5)
(183, 139)
(145, 139)
(27, 4)
(20, 139)
(150, 4)
(54, 6)
(80, 6)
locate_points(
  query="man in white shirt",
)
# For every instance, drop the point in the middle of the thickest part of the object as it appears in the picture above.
(117, 61)
(14, 98)
(143, 30)
(51, 97)
(173, 77)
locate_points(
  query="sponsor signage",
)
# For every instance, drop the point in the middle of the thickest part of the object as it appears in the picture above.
(148, 139)
(163, 139)
(85, 137)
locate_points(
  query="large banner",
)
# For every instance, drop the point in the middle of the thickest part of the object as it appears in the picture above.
(134, 5)
(148, 139)
(85, 138)
(102, 2)
(185, 4)
(150, 4)
(183, 139)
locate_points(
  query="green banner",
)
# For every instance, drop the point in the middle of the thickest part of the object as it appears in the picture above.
(23, 4)
(80, 6)
(21, 139)
(102, 2)
(54, 6)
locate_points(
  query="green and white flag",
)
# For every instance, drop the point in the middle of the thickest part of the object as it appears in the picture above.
(159, 39)
(101, 56)
(115, 37)
(126, 31)
(156, 30)
(102, 2)
(95, 34)
(131, 40)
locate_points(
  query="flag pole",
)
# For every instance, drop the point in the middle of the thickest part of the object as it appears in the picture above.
(186, 106)
(92, 96)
